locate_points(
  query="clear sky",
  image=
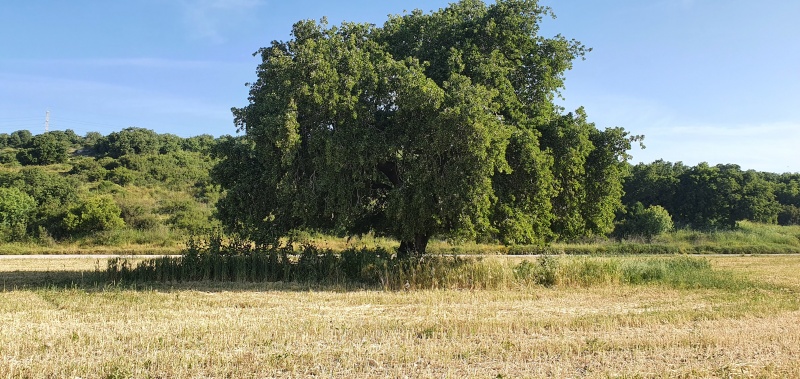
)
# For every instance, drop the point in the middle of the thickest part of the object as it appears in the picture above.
(704, 80)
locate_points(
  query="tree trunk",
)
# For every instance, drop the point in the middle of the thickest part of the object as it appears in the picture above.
(415, 247)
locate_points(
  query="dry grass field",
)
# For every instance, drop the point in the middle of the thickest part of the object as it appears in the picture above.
(211, 330)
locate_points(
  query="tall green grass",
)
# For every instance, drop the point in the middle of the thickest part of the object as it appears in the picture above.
(220, 261)
(746, 238)
(674, 271)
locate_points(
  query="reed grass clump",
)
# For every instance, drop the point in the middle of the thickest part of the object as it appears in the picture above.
(236, 261)
(214, 259)
(675, 271)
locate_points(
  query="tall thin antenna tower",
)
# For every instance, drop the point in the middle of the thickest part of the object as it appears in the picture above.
(47, 121)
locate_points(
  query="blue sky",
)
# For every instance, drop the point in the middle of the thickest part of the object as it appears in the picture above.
(703, 80)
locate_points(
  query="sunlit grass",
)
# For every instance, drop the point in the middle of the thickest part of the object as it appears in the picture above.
(21, 248)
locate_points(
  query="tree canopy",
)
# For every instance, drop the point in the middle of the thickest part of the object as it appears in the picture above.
(439, 124)
(711, 197)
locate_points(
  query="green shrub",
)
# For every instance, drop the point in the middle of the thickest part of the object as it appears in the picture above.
(88, 169)
(542, 272)
(16, 210)
(129, 141)
(645, 222)
(186, 213)
(212, 259)
(8, 157)
(789, 215)
(122, 176)
(97, 213)
(44, 149)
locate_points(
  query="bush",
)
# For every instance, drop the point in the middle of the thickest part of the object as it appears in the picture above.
(137, 213)
(129, 141)
(789, 215)
(94, 214)
(8, 156)
(645, 222)
(54, 195)
(16, 210)
(236, 260)
(44, 149)
(543, 272)
(185, 213)
(122, 176)
(89, 169)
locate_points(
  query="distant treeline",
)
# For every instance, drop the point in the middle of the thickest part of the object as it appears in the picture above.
(714, 197)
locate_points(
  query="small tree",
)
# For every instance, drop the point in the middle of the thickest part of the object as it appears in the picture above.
(645, 222)
(19, 138)
(54, 193)
(129, 141)
(94, 214)
(789, 215)
(44, 149)
(16, 209)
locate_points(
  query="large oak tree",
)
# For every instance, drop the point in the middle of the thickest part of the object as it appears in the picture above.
(435, 124)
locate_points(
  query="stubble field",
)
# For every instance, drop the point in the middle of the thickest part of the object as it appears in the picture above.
(280, 330)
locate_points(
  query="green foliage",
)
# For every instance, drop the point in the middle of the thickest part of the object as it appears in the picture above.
(123, 176)
(213, 259)
(706, 197)
(588, 172)
(8, 157)
(757, 201)
(606, 169)
(44, 149)
(20, 138)
(48, 188)
(178, 170)
(203, 143)
(54, 195)
(676, 271)
(96, 213)
(112, 167)
(439, 124)
(654, 183)
(137, 212)
(523, 213)
(67, 137)
(91, 140)
(129, 141)
(169, 143)
(543, 272)
(789, 215)
(185, 213)
(88, 169)
(645, 222)
(16, 211)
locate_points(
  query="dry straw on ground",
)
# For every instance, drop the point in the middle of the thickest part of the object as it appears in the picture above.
(241, 330)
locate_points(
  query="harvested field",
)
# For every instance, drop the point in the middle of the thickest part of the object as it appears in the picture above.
(282, 330)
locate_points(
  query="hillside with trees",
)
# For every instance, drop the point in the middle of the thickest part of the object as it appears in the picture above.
(131, 187)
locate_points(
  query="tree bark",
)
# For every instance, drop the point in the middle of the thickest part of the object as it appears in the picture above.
(389, 169)
(415, 247)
